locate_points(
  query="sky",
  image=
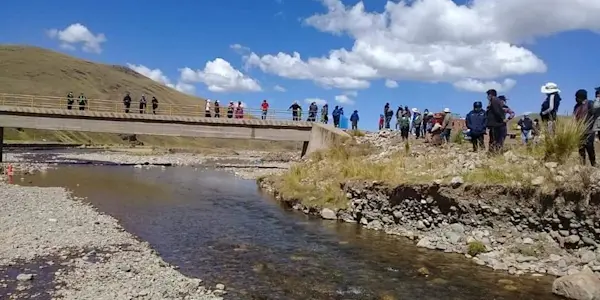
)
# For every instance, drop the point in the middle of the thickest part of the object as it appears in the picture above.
(357, 54)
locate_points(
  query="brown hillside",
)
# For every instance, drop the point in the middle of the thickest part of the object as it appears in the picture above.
(36, 71)
(31, 70)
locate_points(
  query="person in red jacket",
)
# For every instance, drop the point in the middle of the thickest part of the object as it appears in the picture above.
(264, 109)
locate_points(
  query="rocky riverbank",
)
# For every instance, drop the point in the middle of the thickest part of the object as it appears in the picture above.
(60, 247)
(538, 223)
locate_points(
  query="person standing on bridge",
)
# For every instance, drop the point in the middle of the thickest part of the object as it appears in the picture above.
(313, 109)
(143, 103)
(82, 102)
(217, 109)
(230, 110)
(154, 105)
(264, 108)
(127, 102)
(239, 110)
(325, 113)
(207, 109)
(70, 100)
(296, 110)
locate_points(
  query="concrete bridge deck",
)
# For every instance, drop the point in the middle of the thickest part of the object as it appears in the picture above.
(170, 125)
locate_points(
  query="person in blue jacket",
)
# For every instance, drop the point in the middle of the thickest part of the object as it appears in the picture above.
(354, 119)
(476, 123)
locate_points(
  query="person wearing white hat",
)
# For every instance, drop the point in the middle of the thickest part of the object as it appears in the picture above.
(207, 109)
(447, 125)
(550, 104)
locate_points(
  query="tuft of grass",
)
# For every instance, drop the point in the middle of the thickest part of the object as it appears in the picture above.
(568, 136)
(476, 247)
(458, 138)
(406, 147)
(356, 133)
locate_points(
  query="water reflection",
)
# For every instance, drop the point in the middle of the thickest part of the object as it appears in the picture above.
(221, 229)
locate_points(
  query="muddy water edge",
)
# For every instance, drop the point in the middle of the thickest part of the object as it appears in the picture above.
(223, 230)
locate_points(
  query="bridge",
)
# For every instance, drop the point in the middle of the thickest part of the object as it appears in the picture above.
(35, 113)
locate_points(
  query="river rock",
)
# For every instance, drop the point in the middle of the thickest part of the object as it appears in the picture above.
(328, 214)
(587, 256)
(581, 286)
(24, 277)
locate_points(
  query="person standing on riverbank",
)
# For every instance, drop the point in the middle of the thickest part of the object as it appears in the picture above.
(447, 125)
(354, 118)
(526, 126)
(509, 115)
(476, 123)
(388, 113)
(336, 116)
(495, 117)
(550, 105)
(417, 122)
(584, 111)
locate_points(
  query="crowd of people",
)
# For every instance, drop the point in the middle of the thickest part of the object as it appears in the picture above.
(493, 120)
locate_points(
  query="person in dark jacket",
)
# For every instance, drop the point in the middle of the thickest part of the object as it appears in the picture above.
(354, 119)
(550, 105)
(495, 119)
(477, 123)
(70, 100)
(325, 113)
(127, 102)
(526, 125)
(154, 105)
(336, 116)
(584, 111)
(296, 110)
(143, 104)
(313, 109)
(217, 108)
(82, 101)
(230, 109)
(388, 113)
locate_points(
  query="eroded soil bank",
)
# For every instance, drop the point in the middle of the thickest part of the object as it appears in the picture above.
(515, 230)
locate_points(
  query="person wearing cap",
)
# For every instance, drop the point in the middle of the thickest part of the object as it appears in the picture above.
(207, 109)
(509, 113)
(447, 125)
(495, 119)
(584, 111)
(417, 122)
(217, 109)
(526, 126)
(550, 105)
(476, 123)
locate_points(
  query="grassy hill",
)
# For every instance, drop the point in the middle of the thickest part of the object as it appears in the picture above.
(35, 71)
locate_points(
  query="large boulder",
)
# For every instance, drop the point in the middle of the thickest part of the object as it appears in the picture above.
(581, 286)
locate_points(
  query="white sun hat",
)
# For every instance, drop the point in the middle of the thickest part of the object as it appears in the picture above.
(550, 88)
(446, 110)
(415, 110)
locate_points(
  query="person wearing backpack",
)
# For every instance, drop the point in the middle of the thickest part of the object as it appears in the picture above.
(476, 123)
(584, 111)
(417, 123)
(550, 105)
(526, 125)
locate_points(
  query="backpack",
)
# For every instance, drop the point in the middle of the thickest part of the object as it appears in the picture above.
(418, 119)
(404, 122)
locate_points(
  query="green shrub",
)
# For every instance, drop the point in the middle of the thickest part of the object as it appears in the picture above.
(476, 247)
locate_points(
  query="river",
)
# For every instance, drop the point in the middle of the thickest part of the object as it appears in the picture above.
(222, 229)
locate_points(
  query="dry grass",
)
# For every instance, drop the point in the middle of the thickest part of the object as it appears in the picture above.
(567, 137)
(317, 181)
(36, 71)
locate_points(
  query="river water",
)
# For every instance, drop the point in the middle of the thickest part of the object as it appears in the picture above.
(223, 230)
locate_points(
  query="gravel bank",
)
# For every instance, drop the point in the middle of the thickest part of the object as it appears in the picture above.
(44, 226)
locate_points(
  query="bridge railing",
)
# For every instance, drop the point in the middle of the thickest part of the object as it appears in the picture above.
(117, 106)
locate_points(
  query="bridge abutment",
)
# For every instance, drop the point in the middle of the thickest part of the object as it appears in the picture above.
(322, 137)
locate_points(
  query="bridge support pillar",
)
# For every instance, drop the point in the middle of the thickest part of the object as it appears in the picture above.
(322, 137)
(1, 143)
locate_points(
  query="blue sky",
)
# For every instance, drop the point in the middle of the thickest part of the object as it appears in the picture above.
(439, 53)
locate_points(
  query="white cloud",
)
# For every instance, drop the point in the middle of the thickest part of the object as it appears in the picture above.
(78, 34)
(241, 49)
(431, 40)
(279, 88)
(318, 101)
(351, 93)
(391, 84)
(474, 85)
(344, 99)
(158, 76)
(220, 76)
